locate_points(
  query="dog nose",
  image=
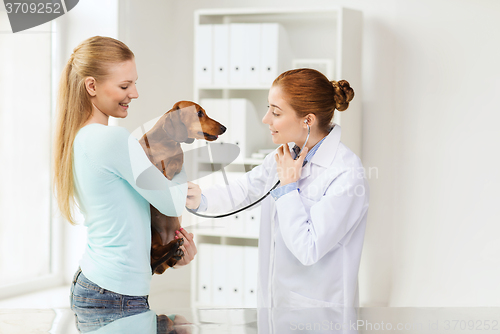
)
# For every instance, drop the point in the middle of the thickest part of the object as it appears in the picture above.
(222, 129)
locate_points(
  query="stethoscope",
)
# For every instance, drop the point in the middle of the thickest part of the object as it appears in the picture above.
(250, 205)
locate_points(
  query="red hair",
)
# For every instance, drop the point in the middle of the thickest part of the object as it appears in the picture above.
(309, 92)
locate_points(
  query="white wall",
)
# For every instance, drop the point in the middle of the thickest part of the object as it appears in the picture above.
(430, 71)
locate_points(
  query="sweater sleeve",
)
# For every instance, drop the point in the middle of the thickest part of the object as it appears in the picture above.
(114, 151)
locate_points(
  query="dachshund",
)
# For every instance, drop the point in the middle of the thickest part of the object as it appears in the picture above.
(184, 123)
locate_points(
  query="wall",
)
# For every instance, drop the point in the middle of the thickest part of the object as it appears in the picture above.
(429, 77)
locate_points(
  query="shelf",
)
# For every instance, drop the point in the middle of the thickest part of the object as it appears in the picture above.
(245, 161)
(333, 33)
(265, 87)
(204, 232)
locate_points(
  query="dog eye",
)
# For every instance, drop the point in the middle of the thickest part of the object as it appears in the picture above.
(200, 113)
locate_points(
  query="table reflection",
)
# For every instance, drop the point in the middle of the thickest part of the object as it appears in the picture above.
(234, 321)
(140, 321)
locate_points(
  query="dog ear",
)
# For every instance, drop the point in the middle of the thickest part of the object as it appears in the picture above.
(174, 126)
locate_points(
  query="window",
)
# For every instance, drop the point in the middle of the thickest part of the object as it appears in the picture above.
(25, 156)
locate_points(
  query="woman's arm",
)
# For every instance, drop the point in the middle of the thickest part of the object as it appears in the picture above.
(113, 150)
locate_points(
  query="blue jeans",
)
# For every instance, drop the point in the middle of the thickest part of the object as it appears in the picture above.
(96, 307)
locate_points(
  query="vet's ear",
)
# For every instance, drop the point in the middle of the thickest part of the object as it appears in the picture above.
(174, 126)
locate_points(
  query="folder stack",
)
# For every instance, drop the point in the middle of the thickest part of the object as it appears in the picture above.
(244, 125)
(227, 275)
(240, 54)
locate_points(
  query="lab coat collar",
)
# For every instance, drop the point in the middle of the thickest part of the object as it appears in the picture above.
(328, 148)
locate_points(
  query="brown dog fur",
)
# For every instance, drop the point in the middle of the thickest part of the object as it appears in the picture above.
(185, 122)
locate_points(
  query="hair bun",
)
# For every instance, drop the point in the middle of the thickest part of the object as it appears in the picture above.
(343, 94)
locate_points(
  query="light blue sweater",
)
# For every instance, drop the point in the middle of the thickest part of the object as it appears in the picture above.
(108, 164)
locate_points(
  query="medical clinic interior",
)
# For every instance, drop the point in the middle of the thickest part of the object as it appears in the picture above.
(422, 126)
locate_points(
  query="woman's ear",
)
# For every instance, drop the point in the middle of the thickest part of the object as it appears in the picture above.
(310, 118)
(90, 86)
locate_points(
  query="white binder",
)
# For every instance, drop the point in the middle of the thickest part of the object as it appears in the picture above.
(247, 129)
(243, 123)
(204, 259)
(275, 53)
(221, 54)
(235, 264)
(237, 225)
(219, 268)
(237, 53)
(221, 226)
(250, 273)
(204, 54)
(253, 51)
(244, 53)
(218, 110)
(252, 222)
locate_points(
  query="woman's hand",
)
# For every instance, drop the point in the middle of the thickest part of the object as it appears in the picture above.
(288, 169)
(181, 325)
(193, 196)
(189, 248)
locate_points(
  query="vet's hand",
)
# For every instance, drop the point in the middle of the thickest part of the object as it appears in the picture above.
(193, 196)
(189, 248)
(288, 169)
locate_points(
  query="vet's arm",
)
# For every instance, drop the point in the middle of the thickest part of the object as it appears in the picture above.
(310, 236)
(243, 191)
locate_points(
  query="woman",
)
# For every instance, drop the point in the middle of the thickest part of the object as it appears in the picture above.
(99, 165)
(312, 227)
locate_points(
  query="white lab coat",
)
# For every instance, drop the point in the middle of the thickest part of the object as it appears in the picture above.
(310, 239)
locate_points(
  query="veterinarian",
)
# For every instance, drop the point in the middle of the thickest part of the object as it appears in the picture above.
(98, 165)
(313, 225)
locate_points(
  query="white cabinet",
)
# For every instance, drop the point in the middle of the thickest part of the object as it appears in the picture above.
(238, 54)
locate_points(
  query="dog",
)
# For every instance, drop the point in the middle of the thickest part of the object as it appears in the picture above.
(184, 123)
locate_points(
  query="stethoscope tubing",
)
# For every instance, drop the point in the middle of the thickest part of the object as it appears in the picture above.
(250, 205)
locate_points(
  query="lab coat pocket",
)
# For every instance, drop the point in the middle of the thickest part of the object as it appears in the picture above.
(296, 300)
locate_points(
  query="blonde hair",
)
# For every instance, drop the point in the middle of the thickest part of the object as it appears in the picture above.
(91, 58)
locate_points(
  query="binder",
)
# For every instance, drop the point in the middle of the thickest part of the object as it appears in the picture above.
(244, 125)
(228, 225)
(247, 130)
(235, 263)
(252, 222)
(218, 110)
(237, 53)
(253, 52)
(204, 54)
(236, 222)
(244, 53)
(221, 54)
(204, 259)
(250, 273)
(219, 270)
(275, 53)
(221, 226)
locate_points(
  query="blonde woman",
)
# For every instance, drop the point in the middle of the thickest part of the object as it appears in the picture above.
(98, 165)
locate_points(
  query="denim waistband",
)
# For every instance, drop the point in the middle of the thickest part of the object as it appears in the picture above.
(75, 277)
